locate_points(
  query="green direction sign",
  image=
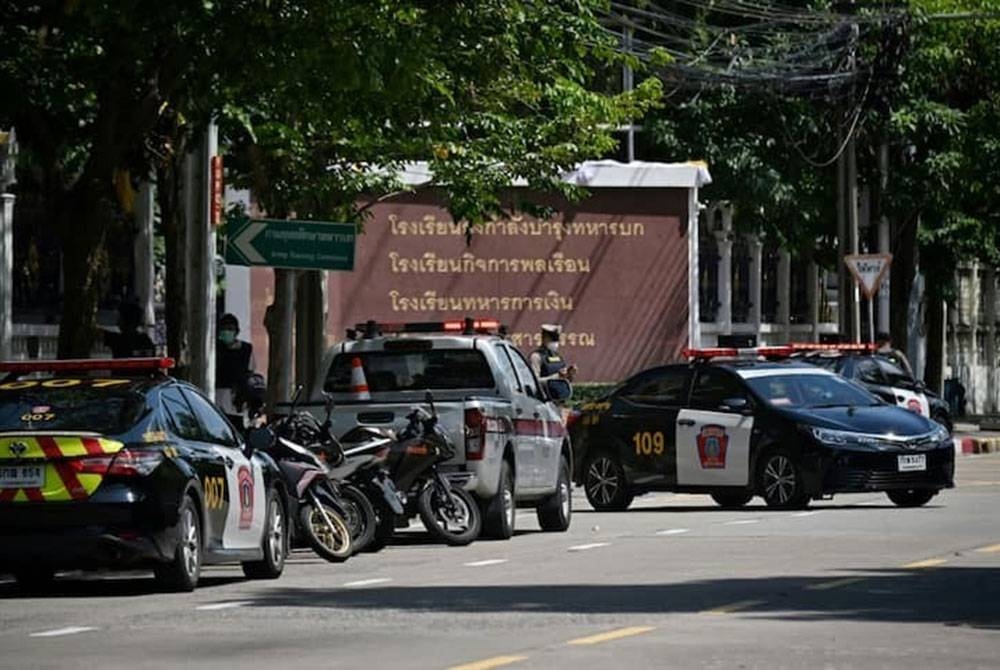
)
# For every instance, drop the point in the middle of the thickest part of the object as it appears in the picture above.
(282, 243)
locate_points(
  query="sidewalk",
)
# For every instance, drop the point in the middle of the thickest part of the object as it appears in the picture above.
(970, 439)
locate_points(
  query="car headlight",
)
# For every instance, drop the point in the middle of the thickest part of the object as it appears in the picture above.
(829, 436)
(940, 434)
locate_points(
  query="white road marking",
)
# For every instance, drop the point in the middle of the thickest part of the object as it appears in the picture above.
(490, 561)
(592, 545)
(802, 514)
(673, 531)
(70, 630)
(369, 582)
(211, 607)
(741, 522)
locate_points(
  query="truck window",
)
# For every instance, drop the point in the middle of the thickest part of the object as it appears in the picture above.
(432, 369)
(529, 386)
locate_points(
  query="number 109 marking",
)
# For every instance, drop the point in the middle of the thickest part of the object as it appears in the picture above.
(647, 444)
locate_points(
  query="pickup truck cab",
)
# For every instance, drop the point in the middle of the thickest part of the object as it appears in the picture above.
(511, 442)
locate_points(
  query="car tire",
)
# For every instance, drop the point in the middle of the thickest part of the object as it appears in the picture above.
(274, 543)
(911, 497)
(556, 512)
(34, 579)
(605, 483)
(779, 480)
(732, 500)
(500, 512)
(183, 570)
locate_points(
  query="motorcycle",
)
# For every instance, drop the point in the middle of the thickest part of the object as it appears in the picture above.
(447, 510)
(321, 511)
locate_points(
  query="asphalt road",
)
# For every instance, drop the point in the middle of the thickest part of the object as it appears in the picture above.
(673, 583)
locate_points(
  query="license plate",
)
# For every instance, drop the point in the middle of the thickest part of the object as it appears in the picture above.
(22, 476)
(913, 463)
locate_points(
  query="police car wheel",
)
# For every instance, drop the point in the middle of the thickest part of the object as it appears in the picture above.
(779, 480)
(911, 497)
(35, 578)
(274, 543)
(500, 513)
(556, 512)
(184, 569)
(605, 483)
(728, 500)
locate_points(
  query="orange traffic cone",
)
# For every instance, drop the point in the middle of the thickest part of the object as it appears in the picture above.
(359, 385)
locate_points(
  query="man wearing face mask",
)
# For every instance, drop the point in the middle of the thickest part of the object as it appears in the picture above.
(233, 360)
(546, 361)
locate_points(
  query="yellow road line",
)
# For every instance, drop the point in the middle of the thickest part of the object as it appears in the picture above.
(992, 549)
(734, 607)
(487, 664)
(612, 635)
(926, 563)
(825, 586)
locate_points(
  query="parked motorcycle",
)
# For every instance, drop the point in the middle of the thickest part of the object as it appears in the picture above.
(447, 510)
(321, 510)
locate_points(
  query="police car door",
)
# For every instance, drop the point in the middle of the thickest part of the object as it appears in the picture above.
(713, 443)
(244, 524)
(645, 419)
(905, 390)
(529, 424)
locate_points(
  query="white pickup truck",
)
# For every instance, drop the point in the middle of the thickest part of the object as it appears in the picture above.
(512, 446)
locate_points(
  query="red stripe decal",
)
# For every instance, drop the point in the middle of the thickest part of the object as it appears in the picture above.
(92, 445)
(530, 427)
(34, 495)
(6, 495)
(69, 479)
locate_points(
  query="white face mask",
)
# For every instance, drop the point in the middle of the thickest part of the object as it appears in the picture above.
(553, 347)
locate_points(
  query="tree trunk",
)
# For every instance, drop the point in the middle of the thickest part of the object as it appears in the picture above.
(904, 269)
(279, 321)
(310, 325)
(168, 195)
(84, 221)
(934, 370)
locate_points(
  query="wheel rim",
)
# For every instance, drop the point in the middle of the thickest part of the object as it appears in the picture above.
(276, 539)
(602, 481)
(508, 506)
(454, 517)
(189, 543)
(564, 499)
(331, 535)
(779, 479)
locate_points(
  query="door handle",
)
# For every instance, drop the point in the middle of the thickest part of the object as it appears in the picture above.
(685, 422)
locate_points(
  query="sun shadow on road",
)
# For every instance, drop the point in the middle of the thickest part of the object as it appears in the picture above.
(99, 586)
(750, 509)
(955, 596)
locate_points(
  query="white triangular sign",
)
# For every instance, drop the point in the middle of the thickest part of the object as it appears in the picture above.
(868, 270)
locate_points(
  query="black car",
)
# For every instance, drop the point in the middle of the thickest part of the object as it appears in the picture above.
(787, 431)
(115, 464)
(888, 381)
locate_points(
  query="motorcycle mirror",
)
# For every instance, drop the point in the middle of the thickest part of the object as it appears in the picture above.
(429, 399)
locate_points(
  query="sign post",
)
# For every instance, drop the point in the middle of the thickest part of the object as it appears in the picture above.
(869, 270)
(284, 243)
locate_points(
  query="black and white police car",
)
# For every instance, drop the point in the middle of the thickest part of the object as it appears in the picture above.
(108, 464)
(733, 424)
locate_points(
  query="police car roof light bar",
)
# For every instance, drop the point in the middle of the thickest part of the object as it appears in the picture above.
(824, 346)
(467, 326)
(88, 364)
(738, 352)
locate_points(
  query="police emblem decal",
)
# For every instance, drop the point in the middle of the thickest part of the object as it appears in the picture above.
(914, 406)
(712, 445)
(17, 449)
(245, 486)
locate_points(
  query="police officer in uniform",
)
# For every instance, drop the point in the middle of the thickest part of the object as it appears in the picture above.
(233, 361)
(546, 361)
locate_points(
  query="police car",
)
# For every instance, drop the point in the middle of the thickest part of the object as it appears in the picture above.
(734, 425)
(880, 375)
(115, 464)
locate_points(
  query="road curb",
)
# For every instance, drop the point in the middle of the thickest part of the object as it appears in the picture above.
(968, 446)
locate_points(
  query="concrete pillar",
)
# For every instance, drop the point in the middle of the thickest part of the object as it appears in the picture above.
(884, 294)
(201, 270)
(784, 291)
(756, 270)
(813, 298)
(973, 392)
(6, 273)
(990, 295)
(724, 293)
(145, 264)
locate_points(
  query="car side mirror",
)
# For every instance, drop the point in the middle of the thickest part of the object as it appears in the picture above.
(559, 389)
(740, 405)
(258, 439)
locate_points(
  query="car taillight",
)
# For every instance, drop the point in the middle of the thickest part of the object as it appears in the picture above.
(91, 465)
(572, 418)
(475, 434)
(135, 463)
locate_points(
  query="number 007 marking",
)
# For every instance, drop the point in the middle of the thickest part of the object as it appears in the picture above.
(215, 492)
(647, 444)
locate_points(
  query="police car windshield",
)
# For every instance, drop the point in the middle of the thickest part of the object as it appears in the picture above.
(432, 369)
(84, 406)
(809, 391)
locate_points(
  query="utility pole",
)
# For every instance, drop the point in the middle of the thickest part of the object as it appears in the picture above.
(143, 253)
(8, 156)
(847, 215)
(201, 268)
(628, 83)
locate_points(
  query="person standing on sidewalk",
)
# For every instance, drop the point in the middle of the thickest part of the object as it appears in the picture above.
(546, 361)
(233, 361)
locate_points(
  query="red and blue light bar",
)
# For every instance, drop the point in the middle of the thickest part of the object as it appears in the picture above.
(88, 365)
(777, 351)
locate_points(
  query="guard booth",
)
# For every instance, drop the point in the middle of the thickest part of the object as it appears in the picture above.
(617, 270)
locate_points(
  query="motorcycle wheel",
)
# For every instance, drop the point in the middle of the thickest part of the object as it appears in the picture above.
(452, 516)
(385, 526)
(332, 541)
(360, 517)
